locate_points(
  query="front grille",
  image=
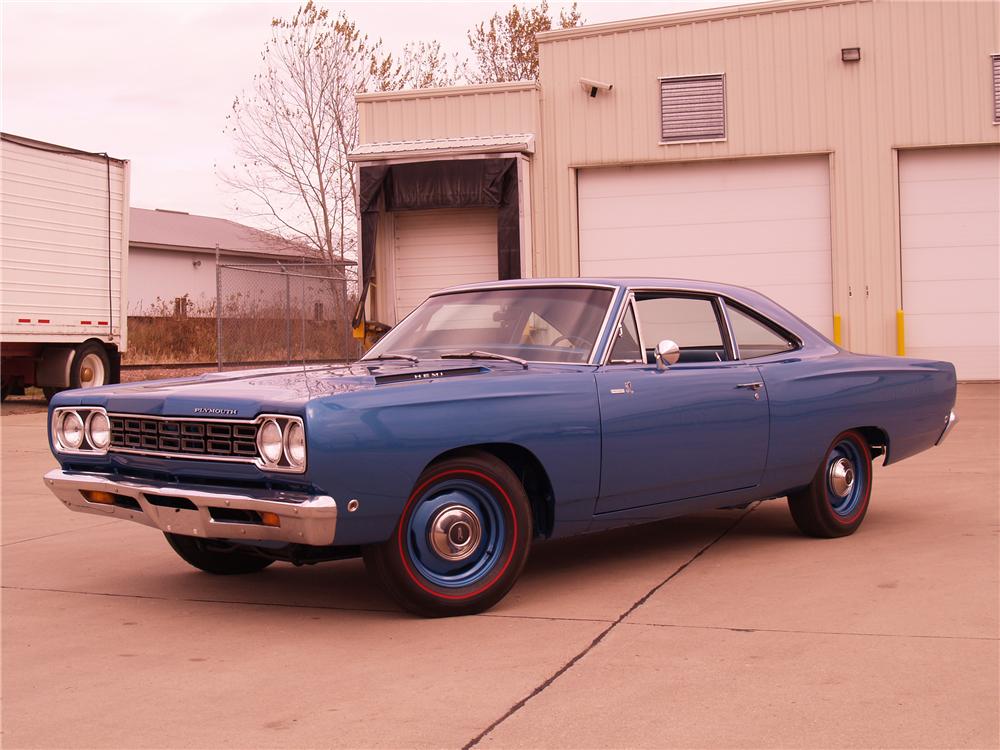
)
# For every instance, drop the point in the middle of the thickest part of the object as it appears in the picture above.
(190, 437)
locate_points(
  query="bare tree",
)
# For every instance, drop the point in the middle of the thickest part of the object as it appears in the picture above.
(504, 47)
(425, 65)
(294, 127)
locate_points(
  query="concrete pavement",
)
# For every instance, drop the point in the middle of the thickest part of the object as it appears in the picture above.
(723, 629)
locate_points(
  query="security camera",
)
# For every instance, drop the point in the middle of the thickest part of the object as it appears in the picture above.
(592, 87)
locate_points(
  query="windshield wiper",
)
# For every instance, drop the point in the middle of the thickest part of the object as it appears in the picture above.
(485, 355)
(394, 355)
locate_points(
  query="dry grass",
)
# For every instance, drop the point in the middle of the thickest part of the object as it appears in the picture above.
(251, 332)
(164, 340)
(173, 340)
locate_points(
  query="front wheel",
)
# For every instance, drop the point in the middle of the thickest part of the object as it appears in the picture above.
(461, 540)
(835, 502)
(221, 559)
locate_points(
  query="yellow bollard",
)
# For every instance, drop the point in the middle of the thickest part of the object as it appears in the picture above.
(900, 334)
(836, 331)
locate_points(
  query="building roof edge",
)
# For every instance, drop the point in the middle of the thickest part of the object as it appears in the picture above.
(443, 91)
(694, 16)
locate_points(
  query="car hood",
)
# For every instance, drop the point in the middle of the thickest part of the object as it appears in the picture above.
(234, 395)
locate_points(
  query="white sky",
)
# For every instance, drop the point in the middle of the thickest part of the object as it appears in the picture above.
(153, 82)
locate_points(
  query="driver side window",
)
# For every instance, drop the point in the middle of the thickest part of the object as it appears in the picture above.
(691, 322)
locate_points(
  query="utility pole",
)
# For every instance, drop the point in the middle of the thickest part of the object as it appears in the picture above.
(218, 308)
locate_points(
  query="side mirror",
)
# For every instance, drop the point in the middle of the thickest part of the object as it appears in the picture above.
(667, 353)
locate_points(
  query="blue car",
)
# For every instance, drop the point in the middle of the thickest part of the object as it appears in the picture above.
(496, 414)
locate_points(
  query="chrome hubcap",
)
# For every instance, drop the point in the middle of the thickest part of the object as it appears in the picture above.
(455, 532)
(841, 477)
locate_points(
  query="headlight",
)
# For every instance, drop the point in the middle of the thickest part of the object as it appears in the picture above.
(295, 444)
(269, 441)
(99, 430)
(70, 430)
(81, 429)
(281, 443)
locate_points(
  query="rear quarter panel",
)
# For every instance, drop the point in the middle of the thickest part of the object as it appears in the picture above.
(814, 399)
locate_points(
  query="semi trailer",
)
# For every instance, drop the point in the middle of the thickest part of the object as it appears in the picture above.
(63, 266)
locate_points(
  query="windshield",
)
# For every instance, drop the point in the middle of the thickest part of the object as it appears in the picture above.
(539, 324)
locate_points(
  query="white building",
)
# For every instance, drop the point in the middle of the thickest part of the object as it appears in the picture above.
(172, 255)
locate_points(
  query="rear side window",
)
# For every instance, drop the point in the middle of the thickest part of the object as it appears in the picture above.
(754, 337)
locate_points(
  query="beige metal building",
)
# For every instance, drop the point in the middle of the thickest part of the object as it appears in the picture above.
(842, 156)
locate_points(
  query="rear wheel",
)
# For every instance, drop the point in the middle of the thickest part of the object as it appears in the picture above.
(836, 501)
(218, 558)
(461, 541)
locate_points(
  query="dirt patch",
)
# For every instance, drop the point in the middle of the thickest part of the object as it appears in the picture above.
(23, 405)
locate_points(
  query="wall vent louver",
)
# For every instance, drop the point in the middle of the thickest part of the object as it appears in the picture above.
(693, 108)
(996, 88)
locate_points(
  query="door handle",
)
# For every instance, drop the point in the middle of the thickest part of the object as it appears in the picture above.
(752, 386)
(627, 390)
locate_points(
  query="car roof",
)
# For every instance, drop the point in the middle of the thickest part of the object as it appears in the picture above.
(758, 302)
(622, 283)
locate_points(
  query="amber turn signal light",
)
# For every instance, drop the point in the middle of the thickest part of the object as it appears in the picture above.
(96, 496)
(270, 519)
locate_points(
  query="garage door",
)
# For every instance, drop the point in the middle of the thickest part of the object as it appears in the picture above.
(761, 223)
(949, 219)
(437, 249)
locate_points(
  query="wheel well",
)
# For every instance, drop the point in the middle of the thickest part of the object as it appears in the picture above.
(529, 471)
(878, 441)
(115, 358)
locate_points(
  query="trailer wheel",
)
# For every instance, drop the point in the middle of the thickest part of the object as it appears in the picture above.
(91, 366)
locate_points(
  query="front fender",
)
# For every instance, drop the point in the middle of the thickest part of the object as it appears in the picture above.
(372, 445)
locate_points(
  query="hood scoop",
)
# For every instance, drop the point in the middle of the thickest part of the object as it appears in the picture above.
(409, 377)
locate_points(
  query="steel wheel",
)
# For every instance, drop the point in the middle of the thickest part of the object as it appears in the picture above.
(92, 372)
(461, 540)
(455, 533)
(846, 479)
(91, 367)
(835, 502)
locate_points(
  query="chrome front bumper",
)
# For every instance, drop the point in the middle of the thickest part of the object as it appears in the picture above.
(948, 425)
(305, 519)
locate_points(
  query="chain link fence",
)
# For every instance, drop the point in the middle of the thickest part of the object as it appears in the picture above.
(285, 312)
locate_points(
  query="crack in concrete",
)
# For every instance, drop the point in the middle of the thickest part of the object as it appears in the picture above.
(56, 533)
(195, 600)
(813, 632)
(603, 634)
(544, 618)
